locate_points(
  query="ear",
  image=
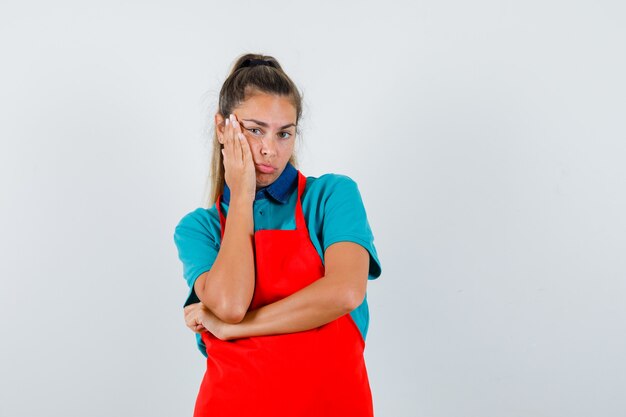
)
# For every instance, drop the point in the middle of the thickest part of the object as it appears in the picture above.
(219, 127)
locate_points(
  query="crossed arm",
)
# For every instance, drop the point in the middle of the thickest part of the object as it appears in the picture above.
(339, 291)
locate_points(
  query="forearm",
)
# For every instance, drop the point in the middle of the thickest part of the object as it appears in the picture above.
(315, 305)
(228, 287)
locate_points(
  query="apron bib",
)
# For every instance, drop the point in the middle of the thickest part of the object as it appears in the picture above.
(319, 372)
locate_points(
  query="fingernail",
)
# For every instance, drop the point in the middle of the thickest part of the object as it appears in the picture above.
(226, 122)
(241, 136)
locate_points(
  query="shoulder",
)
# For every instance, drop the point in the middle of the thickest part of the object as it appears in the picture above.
(336, 211)
(199, 222)
(200, 217)
(329, 178)
(332, 196)
(330, 184)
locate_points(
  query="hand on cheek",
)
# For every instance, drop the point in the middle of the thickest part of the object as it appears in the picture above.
(239, 169)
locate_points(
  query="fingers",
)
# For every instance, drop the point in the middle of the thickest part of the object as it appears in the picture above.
(193, 317)
(227, 140)
(197, 328)
(245, 151)
(232, 138)
(238, 138)
(239, 172)
(242, 148)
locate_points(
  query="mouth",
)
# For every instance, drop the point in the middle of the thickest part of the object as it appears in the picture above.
(265, 168)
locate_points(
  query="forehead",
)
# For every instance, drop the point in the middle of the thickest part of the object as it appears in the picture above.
(275, 110)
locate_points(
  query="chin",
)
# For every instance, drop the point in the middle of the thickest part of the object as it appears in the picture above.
(266, 178)
(264, 183)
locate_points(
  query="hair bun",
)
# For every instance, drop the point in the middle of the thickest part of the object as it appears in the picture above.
(252, 62)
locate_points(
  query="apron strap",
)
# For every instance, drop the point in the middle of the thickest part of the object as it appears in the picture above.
(300, 223)
(222, 219)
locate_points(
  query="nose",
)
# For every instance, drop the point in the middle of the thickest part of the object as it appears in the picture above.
(268, 147)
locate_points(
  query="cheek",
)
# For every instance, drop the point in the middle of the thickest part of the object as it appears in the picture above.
(289, 151)
(286, 146)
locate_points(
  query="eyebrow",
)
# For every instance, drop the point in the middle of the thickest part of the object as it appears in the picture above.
(260, 123)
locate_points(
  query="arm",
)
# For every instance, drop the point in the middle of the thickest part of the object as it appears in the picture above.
(340, 291)
(227, 288)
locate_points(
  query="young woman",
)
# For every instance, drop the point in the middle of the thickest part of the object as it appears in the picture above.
(278, 266)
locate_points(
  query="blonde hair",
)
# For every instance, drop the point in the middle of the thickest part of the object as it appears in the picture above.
(242, 81)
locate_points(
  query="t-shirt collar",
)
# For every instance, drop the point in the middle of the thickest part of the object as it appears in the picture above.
(279, 190)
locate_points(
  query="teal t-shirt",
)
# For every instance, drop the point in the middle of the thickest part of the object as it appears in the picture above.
(333, 211)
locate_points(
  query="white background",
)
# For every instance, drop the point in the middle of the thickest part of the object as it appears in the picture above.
(487, 139)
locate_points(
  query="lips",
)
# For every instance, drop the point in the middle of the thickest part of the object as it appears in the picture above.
(266, 169)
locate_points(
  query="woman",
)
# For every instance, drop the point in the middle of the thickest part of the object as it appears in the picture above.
(278, 267)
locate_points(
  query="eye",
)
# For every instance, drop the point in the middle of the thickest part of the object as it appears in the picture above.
(285, 133)
(254, 128)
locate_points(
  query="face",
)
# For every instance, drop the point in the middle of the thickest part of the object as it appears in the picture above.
(268, 122)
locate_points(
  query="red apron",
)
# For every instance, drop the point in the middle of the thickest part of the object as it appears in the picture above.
(319, 372)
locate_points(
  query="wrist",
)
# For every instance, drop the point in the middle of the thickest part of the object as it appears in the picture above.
(227, 331)
(230, 331)
(241, 201)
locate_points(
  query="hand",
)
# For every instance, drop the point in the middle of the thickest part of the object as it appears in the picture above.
(200, 319)
(239, 171)
(193, 318)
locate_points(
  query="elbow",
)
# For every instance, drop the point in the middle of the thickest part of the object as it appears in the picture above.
(227, 310)
(229, 313)
(353, 298)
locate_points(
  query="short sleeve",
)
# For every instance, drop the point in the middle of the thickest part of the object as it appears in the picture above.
(345, 219)
(197, 243)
